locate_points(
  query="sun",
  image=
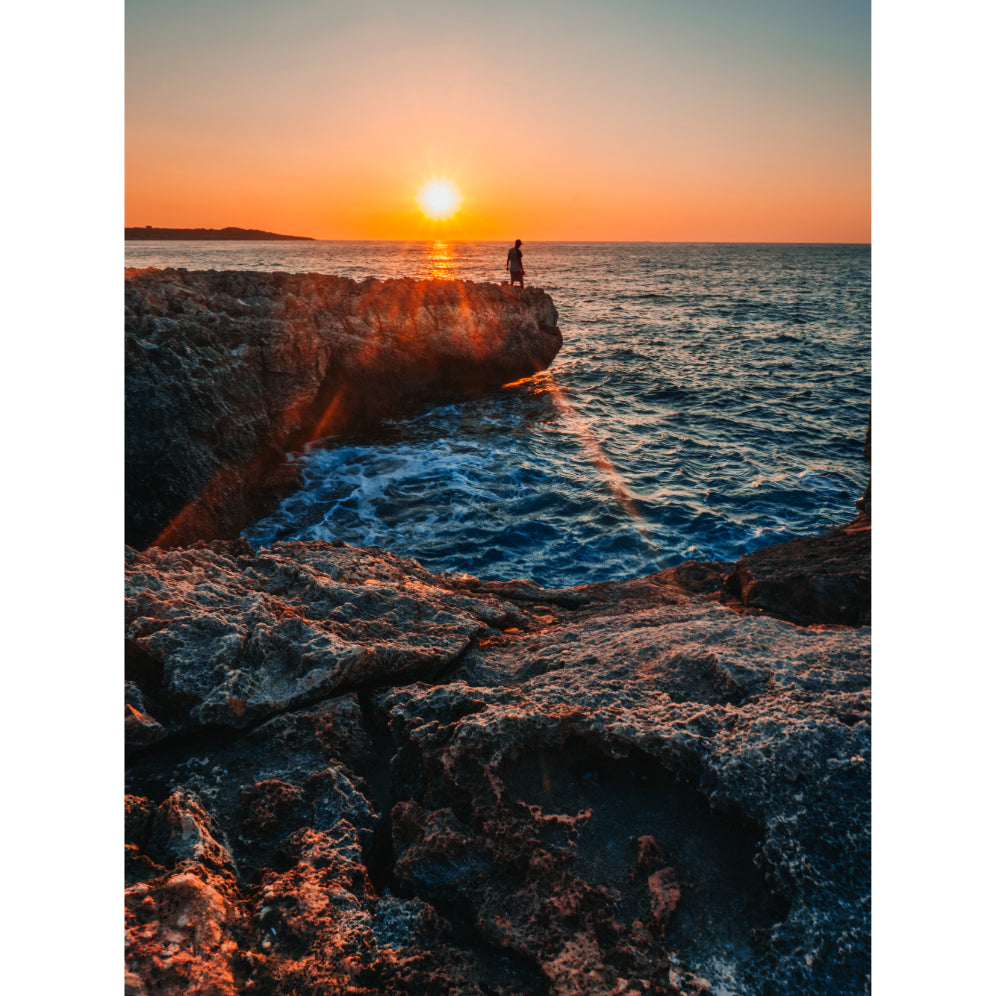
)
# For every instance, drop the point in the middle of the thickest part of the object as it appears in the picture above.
(439, 199)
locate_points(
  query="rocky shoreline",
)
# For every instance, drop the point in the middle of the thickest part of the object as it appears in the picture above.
(227, 373)
(348, 774)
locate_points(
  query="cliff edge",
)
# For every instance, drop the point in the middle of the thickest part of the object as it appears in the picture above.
(226, 372)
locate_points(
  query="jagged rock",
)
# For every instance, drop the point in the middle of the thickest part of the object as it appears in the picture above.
(625, 787)
(228, 371)
(301, 828)
(235, 636)
(140, 728)
(741, 743)
(179, 935)
(182, 833)
(181, 925)
(820, 579)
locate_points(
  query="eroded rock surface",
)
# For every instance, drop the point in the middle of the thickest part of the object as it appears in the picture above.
(350, 775)
(820, 579)
(227, 636)
(227, 372)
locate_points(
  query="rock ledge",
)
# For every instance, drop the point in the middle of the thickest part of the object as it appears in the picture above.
(228, 372)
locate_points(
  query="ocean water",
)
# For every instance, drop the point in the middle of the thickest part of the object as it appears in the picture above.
(709, 400)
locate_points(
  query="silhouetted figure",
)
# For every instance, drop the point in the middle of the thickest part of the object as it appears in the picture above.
(514, 264)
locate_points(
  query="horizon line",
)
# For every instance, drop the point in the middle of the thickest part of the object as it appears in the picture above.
(656, 242)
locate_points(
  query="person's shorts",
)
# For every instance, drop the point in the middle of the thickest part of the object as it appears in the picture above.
(516, 274)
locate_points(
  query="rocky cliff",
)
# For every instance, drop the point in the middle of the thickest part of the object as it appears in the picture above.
(227, 372)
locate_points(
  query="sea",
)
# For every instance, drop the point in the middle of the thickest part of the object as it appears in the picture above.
(709, 399)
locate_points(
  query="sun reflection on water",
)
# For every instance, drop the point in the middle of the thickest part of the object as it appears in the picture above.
(441, 265)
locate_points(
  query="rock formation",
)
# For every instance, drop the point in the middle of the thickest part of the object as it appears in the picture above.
(350, 775)
(226, 373)
(820, 579)
(346, 774)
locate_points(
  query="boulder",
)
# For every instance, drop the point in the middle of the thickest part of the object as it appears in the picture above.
(228, 636)
(819, 579)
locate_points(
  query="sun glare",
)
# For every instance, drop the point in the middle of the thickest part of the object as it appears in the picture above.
(439, 199)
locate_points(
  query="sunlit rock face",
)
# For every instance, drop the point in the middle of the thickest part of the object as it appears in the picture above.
(352, 775)
(228, 371)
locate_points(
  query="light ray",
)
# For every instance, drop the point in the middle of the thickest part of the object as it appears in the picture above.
(599, 459)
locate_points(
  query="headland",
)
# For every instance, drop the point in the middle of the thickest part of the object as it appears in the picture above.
(148, 233)
(229, 373)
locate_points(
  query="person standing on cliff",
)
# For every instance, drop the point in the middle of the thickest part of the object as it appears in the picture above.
(514, 265)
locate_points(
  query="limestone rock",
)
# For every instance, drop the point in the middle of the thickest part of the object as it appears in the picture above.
(227, 372)
(235, 636)
(182, 923)
(740, 743)
(820, 579)
(140, 728)
(626, 787)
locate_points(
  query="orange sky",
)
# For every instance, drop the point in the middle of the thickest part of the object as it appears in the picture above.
(656, 120)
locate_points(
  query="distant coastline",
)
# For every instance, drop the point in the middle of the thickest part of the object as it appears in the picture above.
(148, 233)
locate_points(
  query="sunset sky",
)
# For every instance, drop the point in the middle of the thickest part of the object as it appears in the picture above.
(656, 120)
